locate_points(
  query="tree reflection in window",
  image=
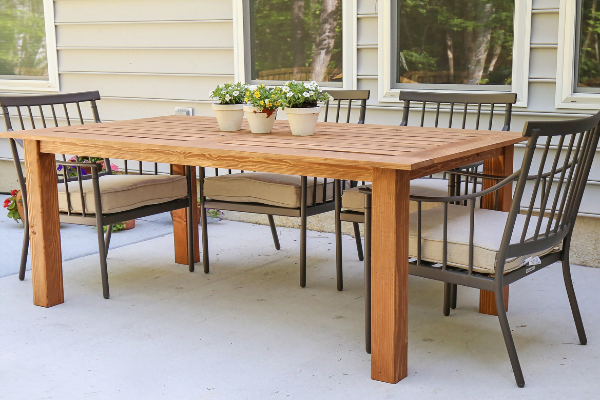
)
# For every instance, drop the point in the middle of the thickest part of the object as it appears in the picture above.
(589, 54)
(296, 39)
(22, 39)
(455, 41)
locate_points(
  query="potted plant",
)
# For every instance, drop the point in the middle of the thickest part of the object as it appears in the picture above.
(14, 205)
(229, 110)
(261, 109)
(72, 171)
(301, 106)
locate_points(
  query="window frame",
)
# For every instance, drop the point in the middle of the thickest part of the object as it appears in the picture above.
(241, 46)
(52, 84)
(388, 92)
(566, 96)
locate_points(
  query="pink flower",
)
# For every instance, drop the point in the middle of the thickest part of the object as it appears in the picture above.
(114, 167)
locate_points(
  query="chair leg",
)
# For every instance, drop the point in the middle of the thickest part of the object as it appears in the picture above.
(453, 295)
(367, 263)
(274, 231)
(102, 254)
(24, 250)
(204, 223)
(359, 248)
(107, 238)
(303, 199)
(447, 298)
(508, 339)
(566, 267)
(338, 234)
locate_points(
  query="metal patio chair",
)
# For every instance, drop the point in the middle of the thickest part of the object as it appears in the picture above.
(96, 198)
(490, 249)
(277, 194)
(351, 208)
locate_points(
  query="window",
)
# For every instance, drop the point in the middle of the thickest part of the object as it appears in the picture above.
(588, 57)
(294, 40)
(454, 45)
(455, 42)
(27, 46)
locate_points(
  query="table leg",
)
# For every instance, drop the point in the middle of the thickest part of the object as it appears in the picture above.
(44, 226)
(502, 166)
(389, 276)
(180, 225)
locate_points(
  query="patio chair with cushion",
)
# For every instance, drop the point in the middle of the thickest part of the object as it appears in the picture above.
(472, 106)
(489, 249)
(88, 192)
(277, 194)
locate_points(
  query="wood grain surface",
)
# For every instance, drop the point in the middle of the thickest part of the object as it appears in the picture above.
(44, 226)
(347, 151)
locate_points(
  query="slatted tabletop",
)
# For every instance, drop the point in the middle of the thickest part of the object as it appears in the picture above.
(366, 146)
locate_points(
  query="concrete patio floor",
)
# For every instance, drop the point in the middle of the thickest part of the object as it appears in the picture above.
(248, 331)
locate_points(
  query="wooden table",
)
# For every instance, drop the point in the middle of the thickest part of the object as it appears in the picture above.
(388, 156)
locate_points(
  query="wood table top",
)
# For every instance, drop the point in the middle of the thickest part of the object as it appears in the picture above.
(338, 146)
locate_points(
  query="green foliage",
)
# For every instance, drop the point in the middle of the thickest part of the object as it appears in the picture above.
(284, 34)
(437, 40)
(11, 205)
(302, 94)
(229, 93)
(119, 226)
(264, 98)
(589, 54)
(22, 38)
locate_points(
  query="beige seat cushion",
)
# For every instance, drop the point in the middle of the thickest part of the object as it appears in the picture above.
(123, 192)
(489, 228)
(264, 188)
(353, 200)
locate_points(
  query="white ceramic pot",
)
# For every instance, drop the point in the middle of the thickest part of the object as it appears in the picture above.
(259, 122)
(229, 116)
(303, 121)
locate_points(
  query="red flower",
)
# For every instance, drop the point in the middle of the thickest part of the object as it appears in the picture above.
(6, 203)
(13, 193)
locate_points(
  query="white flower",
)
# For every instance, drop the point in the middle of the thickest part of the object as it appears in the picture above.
(307, 85)
(306, 94)
(290, 94)
(236, 93)
(285, 89)
(211, 94)
(320, 90)
(220, 86)
(227, 97)
(311, 93)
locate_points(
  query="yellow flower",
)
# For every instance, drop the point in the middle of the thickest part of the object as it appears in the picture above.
(262, 85)
(257, 94)
(246, 99)
(262, 102)
(277, 103)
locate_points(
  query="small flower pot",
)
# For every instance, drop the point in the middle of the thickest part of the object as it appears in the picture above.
(129, 225)
(229, 116)
(303, 121)
(260, 121)
(20, 205)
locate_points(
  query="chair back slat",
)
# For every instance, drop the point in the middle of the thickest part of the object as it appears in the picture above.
(344, 98)
(472, 102)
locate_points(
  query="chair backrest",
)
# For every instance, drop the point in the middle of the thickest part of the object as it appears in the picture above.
(340, 96)
(471, 103)
(558, 184)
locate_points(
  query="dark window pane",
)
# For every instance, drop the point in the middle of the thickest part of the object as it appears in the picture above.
(589, 55)
(455, 41)
(22, 39)
(296, 39)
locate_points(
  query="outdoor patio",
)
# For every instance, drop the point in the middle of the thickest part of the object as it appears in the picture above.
(247, 331)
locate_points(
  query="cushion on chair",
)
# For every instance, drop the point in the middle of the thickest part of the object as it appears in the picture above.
(354, 200)
(489, 229)
(123, 192)
(257, 187)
